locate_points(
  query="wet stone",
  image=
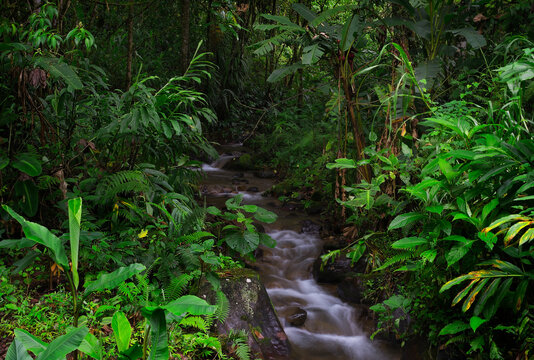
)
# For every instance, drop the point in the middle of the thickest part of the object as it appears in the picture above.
(253, 189)
(298, 317)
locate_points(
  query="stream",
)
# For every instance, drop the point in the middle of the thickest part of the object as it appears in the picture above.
(333, 329)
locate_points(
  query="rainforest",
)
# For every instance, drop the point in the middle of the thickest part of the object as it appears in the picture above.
(266, 179)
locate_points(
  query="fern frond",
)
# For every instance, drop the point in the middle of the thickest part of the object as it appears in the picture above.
(177, 286)
(195, 322)
(396, 259)
(122, 182)
(223, 307)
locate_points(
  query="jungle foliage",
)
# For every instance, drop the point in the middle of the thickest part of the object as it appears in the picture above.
(407, 124)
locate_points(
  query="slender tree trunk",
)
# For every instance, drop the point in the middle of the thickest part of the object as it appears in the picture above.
(186, 17)
(130, 48)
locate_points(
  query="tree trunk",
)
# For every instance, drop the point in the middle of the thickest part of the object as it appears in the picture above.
(130, 48)
(186, 17)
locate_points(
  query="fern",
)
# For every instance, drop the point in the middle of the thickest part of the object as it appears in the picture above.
(122, 182)
(223, 307)
(396, 259)
(240, 341)
(195, 237)
(196, 322)
(176, 287)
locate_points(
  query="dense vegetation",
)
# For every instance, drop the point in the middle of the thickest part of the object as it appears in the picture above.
(407, 124)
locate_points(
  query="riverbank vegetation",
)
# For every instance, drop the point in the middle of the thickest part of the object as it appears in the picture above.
(405, 124)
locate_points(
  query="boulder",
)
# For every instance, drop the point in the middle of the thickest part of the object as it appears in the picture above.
(336, 271)
(265, 174)
(297, 317)
(308, 226)
(251, 310)
(351, 290)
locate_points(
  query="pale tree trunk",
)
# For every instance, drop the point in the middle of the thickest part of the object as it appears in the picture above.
(186, 19)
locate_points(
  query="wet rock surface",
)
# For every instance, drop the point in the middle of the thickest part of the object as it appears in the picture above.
(251, 310)
(298, 317)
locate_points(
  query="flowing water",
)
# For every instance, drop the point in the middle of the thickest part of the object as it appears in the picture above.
(333, 329)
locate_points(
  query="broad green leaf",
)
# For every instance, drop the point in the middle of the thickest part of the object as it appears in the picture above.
(504, 220)
(486, 295)
(59, 69)
(189, 304)
(31, 342)
(113, 279)
(464, 292)
(17, 351)
(489, 238)
(527, 236)
(243, 242)
(342, 164)
(214, 211)
(311, 54)
(349, 29)
(409, 243)
(447, 169)
(305, 12)
(405, 219)
(250, 208)
(515, 229)
(4, 161)
(280, 73)
(27, 163)
(436, 209)
(265, 216)
(267, 240)
(475, 322)
(454, 328)
(75, 219)
(472, 296)
(41, 235)
(159, 349)
(91, 346)
(457, 252)
(28, 195)
(473, 37)
(63, 345)
(330, 12)
(122, 330)
(489, 207)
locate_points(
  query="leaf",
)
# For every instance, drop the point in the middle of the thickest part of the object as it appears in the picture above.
(214, 211)
(41, 235)
(59, 69)
(28, 163)
(504, 220)
(475, 322)
(489, 207)
(190, 304)
(28, 195)
(90, 346)
(267, 240)
(472, 37)
(158, 335)
(63, 345)
(122, 330)
(75, 219)
(403, 220)
(284, 71)
(17, 351)
(329, 13)
(304, 12)
(31, 342)
(447, 169)
(409, 243)
(250, 208)
(456, 253)
(454, 328)
(265, 216)
(436, 209)
(113, 279)
(243, 242)
(515, 229)
(349, 29)
(311, 54)
(342, 164)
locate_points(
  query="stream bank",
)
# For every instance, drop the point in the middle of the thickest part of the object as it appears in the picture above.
(318, 324)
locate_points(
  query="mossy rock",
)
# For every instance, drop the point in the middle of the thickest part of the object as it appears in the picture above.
(251, 310)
